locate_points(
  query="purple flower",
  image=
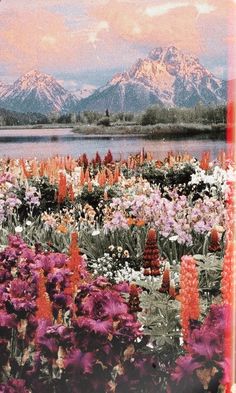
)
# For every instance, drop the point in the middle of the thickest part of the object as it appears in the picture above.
(97, 326)
(79, 362)
(7, 320)
(185, 366)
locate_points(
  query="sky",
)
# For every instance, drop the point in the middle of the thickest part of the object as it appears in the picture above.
(85, 42)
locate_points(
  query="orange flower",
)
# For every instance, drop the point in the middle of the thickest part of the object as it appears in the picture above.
(62, 191)
(205, 160)
(43, 303)
(74, 264)
(130, 221)
(140, 223)
(165, 285)
(214, 241)
(62, 228)
(227, 274)
(71, 193)
(189, 295)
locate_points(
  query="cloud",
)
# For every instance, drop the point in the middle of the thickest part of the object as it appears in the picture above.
(152, 25)
(71, 36)
(204, 8)
(162, 9)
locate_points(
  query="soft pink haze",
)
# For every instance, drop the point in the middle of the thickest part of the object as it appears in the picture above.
(68, 38)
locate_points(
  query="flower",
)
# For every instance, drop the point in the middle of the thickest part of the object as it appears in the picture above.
(18, 229)
(189, 295)
(79, 362)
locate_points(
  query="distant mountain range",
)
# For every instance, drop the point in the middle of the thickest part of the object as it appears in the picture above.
(37, 92)
(167, 77)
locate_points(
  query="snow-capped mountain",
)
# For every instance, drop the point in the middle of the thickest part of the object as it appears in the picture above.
(84, 92)
(38, 92)
(167, 77)
(3, 89)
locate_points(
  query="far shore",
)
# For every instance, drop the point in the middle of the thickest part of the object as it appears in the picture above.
(212, 131)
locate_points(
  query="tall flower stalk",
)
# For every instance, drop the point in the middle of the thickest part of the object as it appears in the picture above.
(189, 294)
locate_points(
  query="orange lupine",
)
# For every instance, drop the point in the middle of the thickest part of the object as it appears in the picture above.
(24, 170)
(62, 189)
(74, 264)
(189, 294)
(227, 273)
(82, 177)
(110, 179)
(205, 160)
(165, 285)
(44, 309)
(86, 176)
(116, 174)
(71, 193)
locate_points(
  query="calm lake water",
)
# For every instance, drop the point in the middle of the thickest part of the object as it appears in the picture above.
(43, 143)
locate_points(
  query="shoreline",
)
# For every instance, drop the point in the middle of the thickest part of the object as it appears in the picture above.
(166, 131)
(214, 131)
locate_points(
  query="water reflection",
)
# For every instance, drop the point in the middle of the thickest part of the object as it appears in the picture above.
(49, 142)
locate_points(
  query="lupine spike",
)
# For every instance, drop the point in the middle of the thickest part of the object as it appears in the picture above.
(189, 294)
(151, 260)
(43, 303)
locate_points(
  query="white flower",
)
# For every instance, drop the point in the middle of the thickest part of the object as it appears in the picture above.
(96, 232)
(18, 229)
(173, 238)
(28, 223)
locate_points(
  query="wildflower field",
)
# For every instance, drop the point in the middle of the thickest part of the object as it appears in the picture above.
(116, 277)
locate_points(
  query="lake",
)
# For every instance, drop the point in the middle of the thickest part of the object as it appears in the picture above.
(41, 143)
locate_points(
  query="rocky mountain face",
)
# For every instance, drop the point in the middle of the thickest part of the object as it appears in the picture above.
(84, 92)
(167, 77)
(39, 93)
(3, 89)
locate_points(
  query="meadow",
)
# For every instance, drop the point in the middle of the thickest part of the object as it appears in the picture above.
(116, 276)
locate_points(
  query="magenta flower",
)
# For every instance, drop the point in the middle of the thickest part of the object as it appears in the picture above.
(185, 366)
(103, 327)
(79, 362)
(7, 320)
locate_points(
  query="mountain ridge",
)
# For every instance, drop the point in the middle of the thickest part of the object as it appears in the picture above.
(38, 92)
(166, 77)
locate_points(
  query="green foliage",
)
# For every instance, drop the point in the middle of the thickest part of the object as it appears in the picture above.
(91, 197)
(104, 121)
(133, 240)
(198, 114)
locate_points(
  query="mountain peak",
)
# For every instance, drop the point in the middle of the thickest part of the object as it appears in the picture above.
(166, 77)
(38, 92)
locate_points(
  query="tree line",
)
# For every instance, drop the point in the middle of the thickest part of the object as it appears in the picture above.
(153, 115)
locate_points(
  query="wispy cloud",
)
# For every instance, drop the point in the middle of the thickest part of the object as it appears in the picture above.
(164, 8)
(76, 36)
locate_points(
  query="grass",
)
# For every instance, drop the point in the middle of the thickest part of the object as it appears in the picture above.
(158, 130)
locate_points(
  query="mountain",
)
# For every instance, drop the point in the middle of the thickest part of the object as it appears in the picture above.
(167, 77)
(3, 89)
(38, 92)
(84, 92)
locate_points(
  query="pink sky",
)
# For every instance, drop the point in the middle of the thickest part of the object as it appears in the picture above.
(85, 41)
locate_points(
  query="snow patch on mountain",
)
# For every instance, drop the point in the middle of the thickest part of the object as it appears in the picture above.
(38, 92)
(167, 76)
